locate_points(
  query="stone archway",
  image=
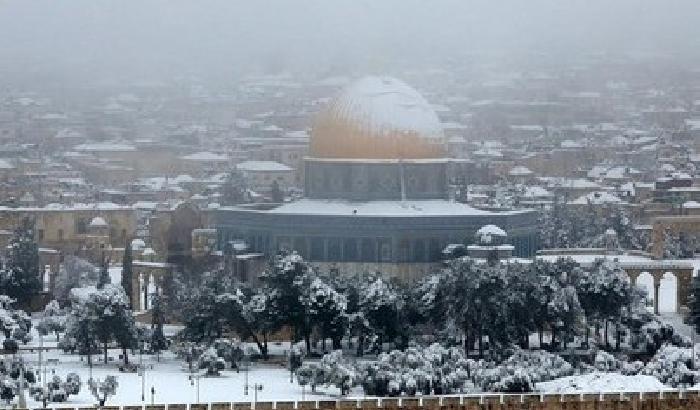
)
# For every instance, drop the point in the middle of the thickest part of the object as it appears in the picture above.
(683, 272)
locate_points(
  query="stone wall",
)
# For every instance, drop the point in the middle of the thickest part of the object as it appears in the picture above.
(669, 400)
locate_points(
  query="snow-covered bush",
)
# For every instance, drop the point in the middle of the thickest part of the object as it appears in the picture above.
(211, 362)
(672, 366)
(72, 384)
(333, 370)
(655, 334)
(103, 389)
(632, 368)
(57, 390)
(606, 362)
(434, 369)
(521, 371)
(53, 320)
(230, 351)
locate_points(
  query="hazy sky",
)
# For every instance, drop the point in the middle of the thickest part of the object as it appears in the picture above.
(153, 37)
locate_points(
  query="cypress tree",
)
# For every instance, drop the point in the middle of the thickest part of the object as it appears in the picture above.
(104, 274)
(695, 304)
(128, 274)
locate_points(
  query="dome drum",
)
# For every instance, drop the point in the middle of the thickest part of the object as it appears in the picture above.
(376, 180)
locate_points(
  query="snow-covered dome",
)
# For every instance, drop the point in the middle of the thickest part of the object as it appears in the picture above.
(378, 118)
(138, 244)
(98, 222)
(488, 234)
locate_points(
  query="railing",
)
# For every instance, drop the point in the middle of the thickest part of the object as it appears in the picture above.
(669, 399)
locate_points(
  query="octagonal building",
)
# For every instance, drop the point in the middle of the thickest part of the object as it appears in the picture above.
(376, 191)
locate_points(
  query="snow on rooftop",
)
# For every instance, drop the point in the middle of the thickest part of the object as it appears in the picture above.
(576, 183)
(378, 208)
(536, 192)
(205, 156)
(99, 206)
(105, 147)
(597, 198)
(520, 171)
(269, 166)
(5, 164)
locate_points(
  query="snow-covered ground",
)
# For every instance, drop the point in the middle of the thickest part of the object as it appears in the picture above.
(170, 380)
(602, 382)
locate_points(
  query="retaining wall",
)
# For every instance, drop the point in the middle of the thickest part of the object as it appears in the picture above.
(668, 400)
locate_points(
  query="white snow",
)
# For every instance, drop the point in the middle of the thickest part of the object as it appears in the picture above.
(205, 156)
(597, 198)
(486, 232)
(105, 147)
(602, 382)
(98, 221)
(378, 208)
(5, 164)
(268, 166)
(170, 380)
(520, 171)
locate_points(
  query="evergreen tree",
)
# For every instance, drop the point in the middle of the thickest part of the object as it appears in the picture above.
(128, 274)
(289, 277)
(21, 277)
(695, 304)
(104, 278)
(53, 320)
(235, 189)
(276, 194)
(101, 316)
(158, 341)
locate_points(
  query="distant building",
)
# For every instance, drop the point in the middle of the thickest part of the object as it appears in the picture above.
(260, 175)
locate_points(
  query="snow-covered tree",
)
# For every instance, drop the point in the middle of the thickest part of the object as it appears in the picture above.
(157, 341)
(101, 316)
(235, 189)
(53, 320)
(103, 389)
(604, 291)
(326, 308)
(74, 273)
(381, 306)
(276, 194)
(20, 278)
(15, 325)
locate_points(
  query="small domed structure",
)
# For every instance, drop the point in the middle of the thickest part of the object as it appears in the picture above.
(378, 118)
(138, 244)
(98, 222)
(490, 235)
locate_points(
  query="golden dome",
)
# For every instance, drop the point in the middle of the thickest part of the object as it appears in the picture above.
(378, 118)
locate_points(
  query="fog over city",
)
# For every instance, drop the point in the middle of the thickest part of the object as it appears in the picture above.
(350, 204)
(222, 38)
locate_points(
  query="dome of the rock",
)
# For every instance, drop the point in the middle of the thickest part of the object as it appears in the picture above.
(378, 118)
